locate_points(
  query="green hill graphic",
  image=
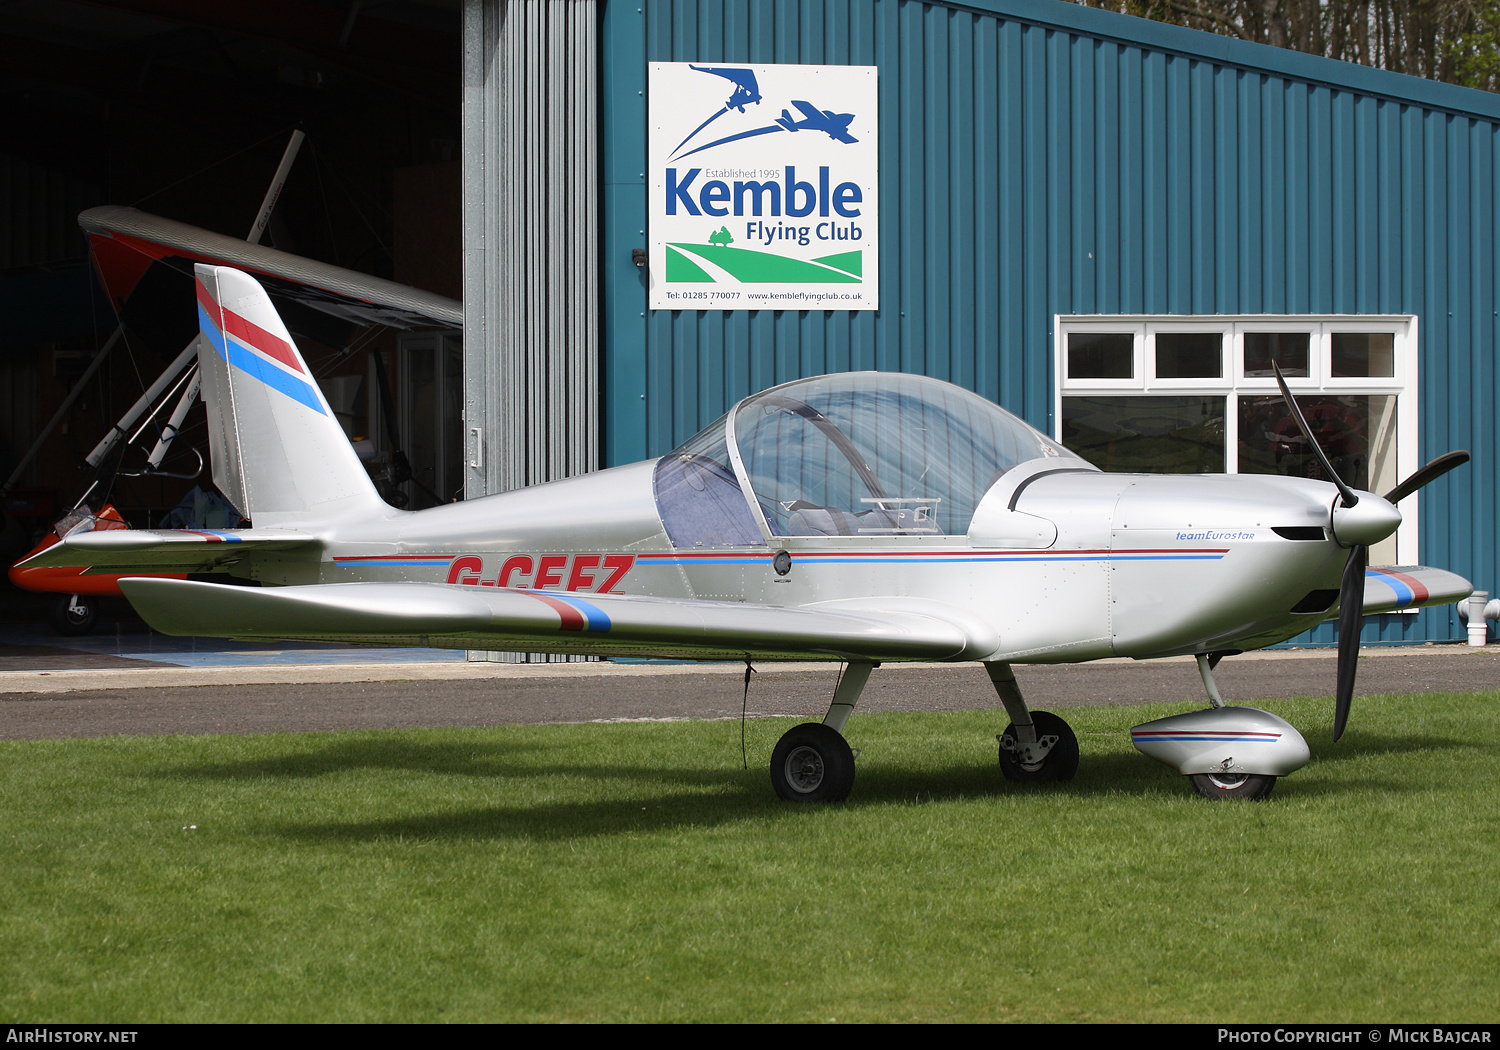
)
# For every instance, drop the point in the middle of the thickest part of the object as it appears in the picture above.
(849, 262)
(682, 270)
(754, 267)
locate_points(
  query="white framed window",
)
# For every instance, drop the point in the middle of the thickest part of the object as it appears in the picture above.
(1196, 395)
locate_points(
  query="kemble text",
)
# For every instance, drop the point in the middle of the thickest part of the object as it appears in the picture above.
(716, 197)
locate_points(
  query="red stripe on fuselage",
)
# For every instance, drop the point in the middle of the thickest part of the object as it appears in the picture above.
(206, 536)
(572, 619)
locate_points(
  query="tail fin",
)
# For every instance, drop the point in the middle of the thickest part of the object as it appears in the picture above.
(278, 450)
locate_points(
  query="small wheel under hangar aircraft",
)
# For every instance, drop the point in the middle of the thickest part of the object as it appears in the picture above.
(74, 614)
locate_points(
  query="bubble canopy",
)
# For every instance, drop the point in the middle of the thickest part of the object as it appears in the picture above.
(858, 454)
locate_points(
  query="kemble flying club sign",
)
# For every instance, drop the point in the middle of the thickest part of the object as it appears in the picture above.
(764, 183)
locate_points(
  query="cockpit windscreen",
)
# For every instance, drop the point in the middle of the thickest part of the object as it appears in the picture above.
(877, 454)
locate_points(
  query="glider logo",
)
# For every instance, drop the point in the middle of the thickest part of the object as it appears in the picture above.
(789, 156)
(746, 91)
(597, 573)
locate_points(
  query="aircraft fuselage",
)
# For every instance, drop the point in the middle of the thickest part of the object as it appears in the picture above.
(1062, 564)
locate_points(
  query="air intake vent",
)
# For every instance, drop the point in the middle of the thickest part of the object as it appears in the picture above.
(1316, 601)
(1300, 532)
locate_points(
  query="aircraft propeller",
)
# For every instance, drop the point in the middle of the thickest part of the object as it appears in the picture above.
(1357, 529)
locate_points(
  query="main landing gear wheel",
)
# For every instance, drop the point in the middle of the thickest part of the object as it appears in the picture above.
(1248, 786)
(1059, 760)
(74, 614)
(812, 763)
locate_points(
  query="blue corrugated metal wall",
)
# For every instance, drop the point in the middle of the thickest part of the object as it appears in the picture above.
(1042, 158)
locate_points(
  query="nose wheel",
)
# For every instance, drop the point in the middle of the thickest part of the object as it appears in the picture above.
(812, 763)
(1248, 786)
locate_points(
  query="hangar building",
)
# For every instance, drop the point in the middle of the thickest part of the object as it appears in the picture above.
(1109, 226)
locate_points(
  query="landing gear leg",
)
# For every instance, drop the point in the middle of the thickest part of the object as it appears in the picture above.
(1206, 670)
(813, 762)
(847, 694)
(1037, 746)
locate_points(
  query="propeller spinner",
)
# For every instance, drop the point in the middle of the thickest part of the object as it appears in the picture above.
(1357, 523)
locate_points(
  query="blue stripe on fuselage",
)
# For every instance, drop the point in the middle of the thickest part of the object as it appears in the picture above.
(596, 618)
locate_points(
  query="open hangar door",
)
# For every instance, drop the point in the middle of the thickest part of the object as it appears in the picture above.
(185, 112)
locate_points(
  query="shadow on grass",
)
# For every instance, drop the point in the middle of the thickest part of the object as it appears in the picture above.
(650, 796)
(385, 752)
(725, 797)
(548, 822)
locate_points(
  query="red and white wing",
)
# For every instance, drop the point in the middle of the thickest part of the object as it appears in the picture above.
(117, 551)
(145, 255)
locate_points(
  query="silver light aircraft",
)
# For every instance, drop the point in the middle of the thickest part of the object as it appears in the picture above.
(863, 517)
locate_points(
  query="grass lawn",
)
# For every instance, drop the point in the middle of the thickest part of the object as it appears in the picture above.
(636, 872)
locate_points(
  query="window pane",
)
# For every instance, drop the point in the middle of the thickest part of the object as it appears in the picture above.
(1357, 433)
(1189, 355)
(1101, 355)
(1159, 435)
(1364, 354)
(1287, 349)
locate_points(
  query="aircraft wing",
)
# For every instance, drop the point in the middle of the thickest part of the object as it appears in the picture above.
(458, 617)
(1390, 588)
(118, 551)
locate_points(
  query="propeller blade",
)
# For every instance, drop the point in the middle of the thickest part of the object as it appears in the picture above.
(1345, 492)
(1434, 470)
(1351, 613)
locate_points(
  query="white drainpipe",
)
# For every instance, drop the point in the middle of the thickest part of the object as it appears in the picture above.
(1475, 610)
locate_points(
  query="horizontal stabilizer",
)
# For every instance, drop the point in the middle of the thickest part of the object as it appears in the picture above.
(1391, 588)
(454, 617)
(161, 550)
